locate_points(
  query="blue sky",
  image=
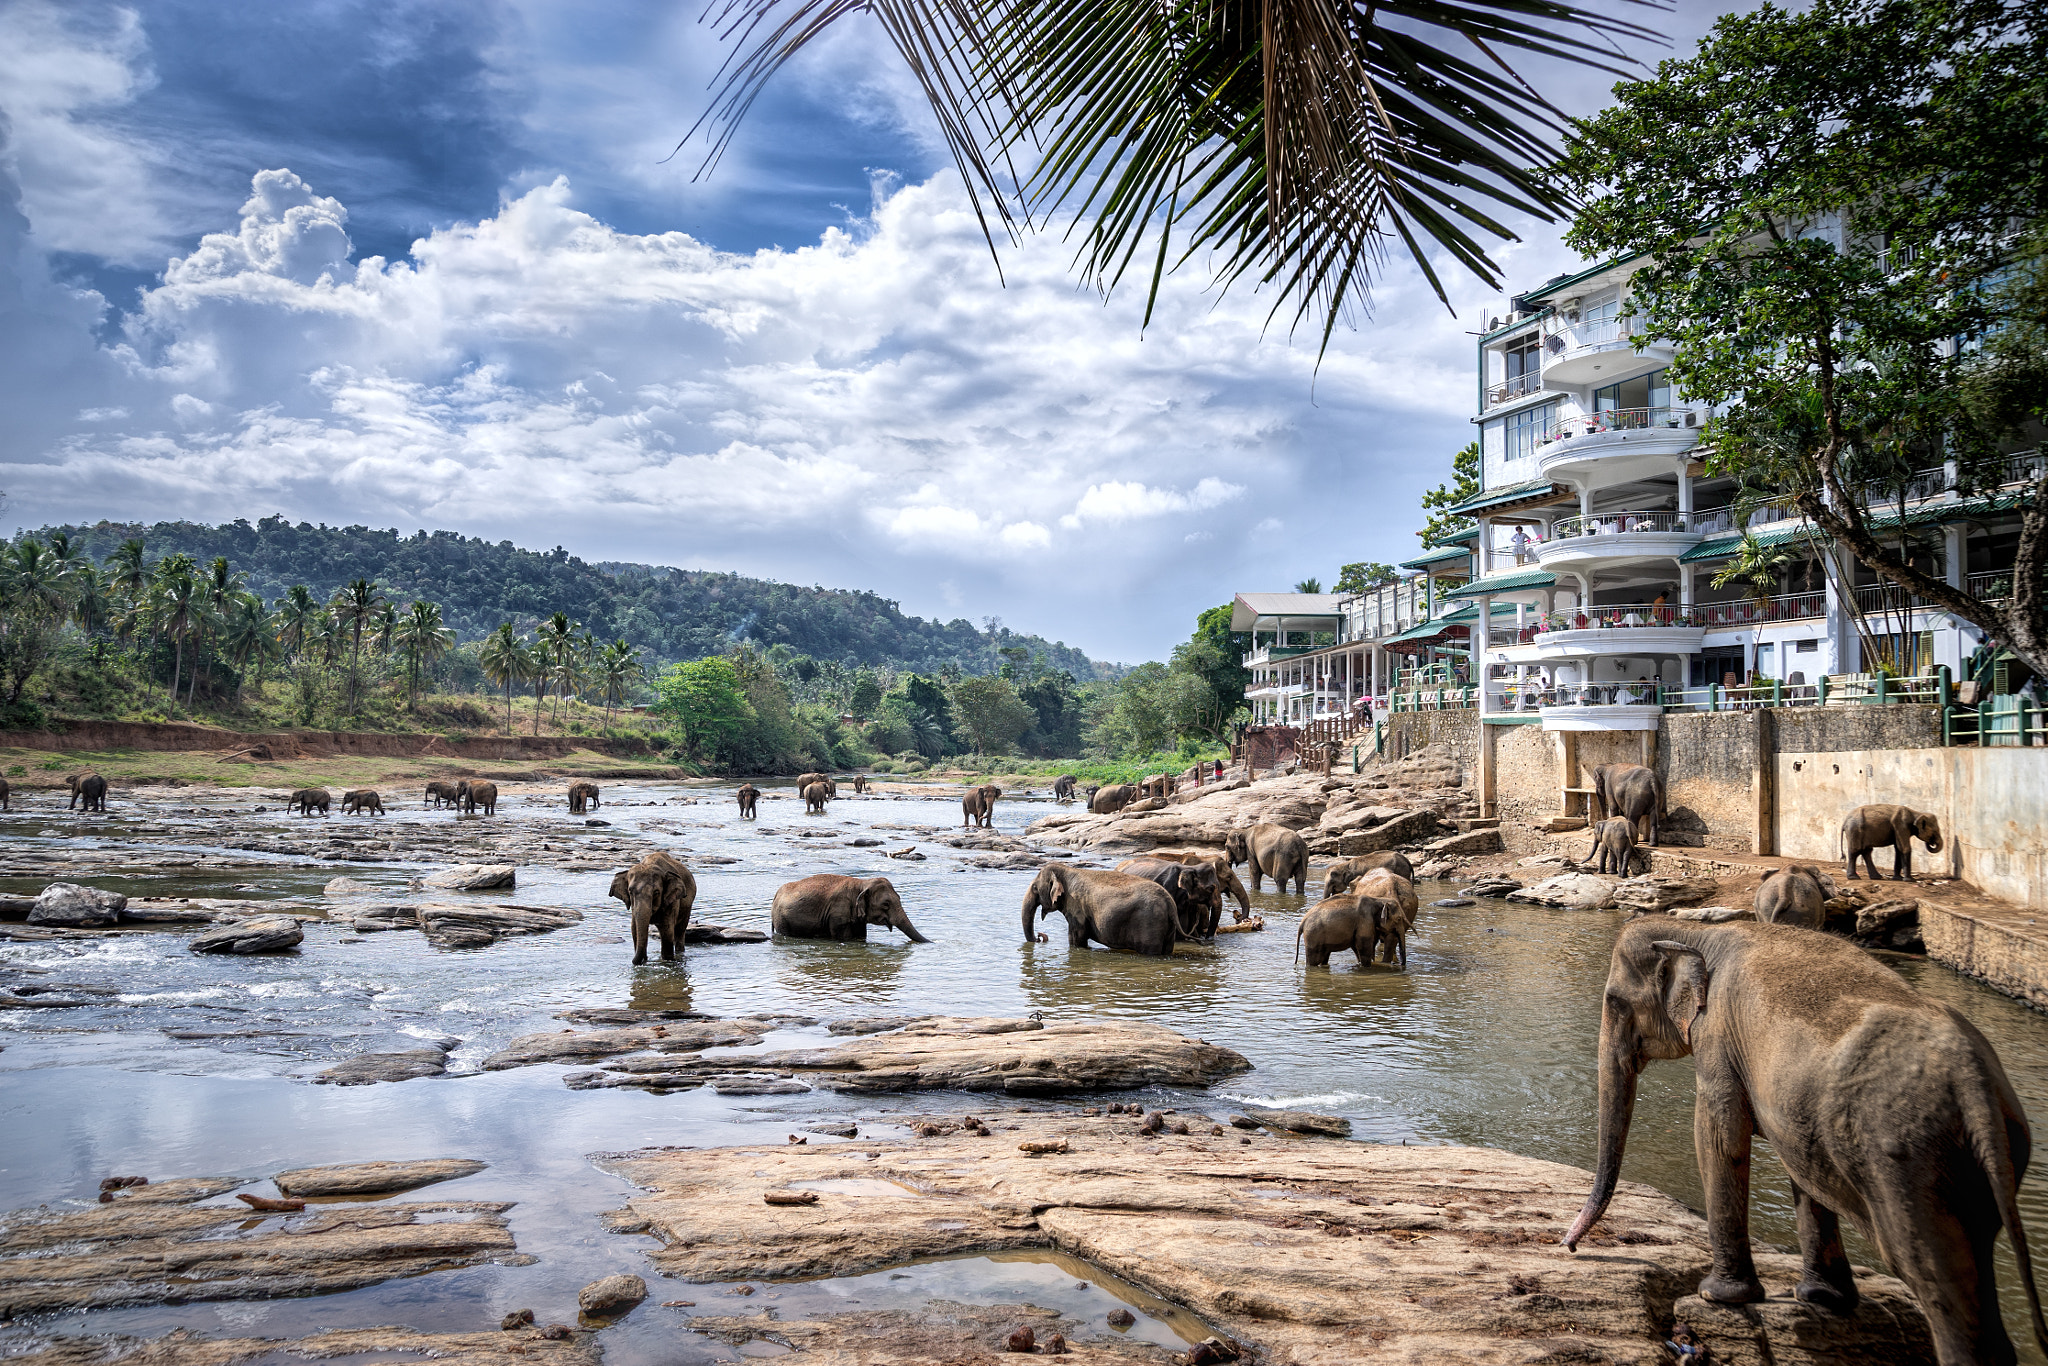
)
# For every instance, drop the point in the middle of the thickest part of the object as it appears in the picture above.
(421, 263)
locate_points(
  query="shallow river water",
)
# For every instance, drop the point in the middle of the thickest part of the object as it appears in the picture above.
(1487, 1038)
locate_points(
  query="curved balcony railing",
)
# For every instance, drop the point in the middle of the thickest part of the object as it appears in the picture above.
(1707, 615)
(1621, 420)
(1617, 523)
(1534, 695)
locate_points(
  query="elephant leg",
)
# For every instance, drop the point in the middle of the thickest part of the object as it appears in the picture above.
(1902, 860)
(671, 939)
(1318, 957)
(1721, 1130)
(1254, 864)
(1921, 1225)
(1827, 1281)
(639, 938)
(1077, 936)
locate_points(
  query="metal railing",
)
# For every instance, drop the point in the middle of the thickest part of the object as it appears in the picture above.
(1995, 586)
(1887, 597)
(1514, 388)
(1536, 696)
(1433, 699)
(1562, 338)
(1618, 522)
(1621, 420)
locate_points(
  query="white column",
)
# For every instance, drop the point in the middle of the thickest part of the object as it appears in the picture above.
(1485, 548)
(1481, 632)
(1685, 491)
(1685, 585)
(1585, 500)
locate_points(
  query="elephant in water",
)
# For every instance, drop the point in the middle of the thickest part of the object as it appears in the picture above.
(660, 892)
(6, 796)
(480, 794)
(356, 801)
(748, 796)
(860, 783)
(87, 788)
(1197, 903)
(306, 798)
(1338, 879)
(1870, 828)
(978, 807)
(1398, 892)
(1883, 1105)
(1631, 791)
(815, 797)
(1227, 882)
(1615, 843)
(1343, 922)
(442, 794)
(1796, 895)
(1063, 787)
(582, 796)
(828, 906)
(804, 780)
(1116, 910)
(1273, 851)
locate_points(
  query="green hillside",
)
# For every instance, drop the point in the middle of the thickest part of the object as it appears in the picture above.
(672, 614)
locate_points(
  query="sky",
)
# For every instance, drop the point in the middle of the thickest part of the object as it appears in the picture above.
(429, 264)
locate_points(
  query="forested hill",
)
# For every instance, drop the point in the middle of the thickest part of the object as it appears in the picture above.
(671, 613)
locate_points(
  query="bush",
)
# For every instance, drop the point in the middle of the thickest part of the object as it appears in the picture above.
(883, 766)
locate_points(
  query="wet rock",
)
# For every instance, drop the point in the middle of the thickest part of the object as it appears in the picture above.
(1496, 885)
(1658, 893)
(875, 1024)
(68, 905)
(1120, 1318)
(1303, 1122)
(267, 934)
(835, 1130)
(474, 877)
(722, 934)
(590, 1045)
(1392, 830)
(265, 1205)
(1713, 915)
(1021, 1340)
(611, 1295)
(517, 1319)
(349, 886)
(1455, 901)
(425, 1059)
(454, 926)
(155, 1244)
(1467, 845)
(1571, 891)
(1878, 921)
(1243, 1237)
(524, 1348)
(374, 1178)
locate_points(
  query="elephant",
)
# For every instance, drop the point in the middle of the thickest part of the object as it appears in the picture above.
(978, 807)
(1870, 828)
(88, 792)
(1197, 902)
(1398, 892)
(582, 796)
(1273, 851)
(1632, 791)
(1796, 894)
(1884, 1106)
(660, 892)
(480, 794)
(6, 796)
(306, 798)
(441, 794)
(815, 797)
(804, 780)
(358, 800)
(1615, 842)
(1106, 801)
(1227, 883)
(1342, 922)
(1341, 875)
(828, 906)
(1116, 910)
(860, 783)
(749, 796)
(1063, 787)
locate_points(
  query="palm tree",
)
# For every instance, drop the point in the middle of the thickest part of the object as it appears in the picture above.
(296, 612)
(92, 602)
(1760, 564)
(555, 645)
(35, 597)
(176, 603)
(423, 639)
(383, 627)
(249, 635)
(353, 609)
(221, 585)
(618, 668)
(1309, 586)
(1292, 143)
(127, 574)
(506, 662)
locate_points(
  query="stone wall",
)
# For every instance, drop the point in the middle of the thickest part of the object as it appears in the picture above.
(1409, 731)
(1822, 730)
(1709, 761)
(1528, 764)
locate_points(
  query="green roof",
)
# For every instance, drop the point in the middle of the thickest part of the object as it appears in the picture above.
(1714, 547)
(1436, 557)
(1933, 514)
(1423, 632)
(1506, 493)
(1503, 583)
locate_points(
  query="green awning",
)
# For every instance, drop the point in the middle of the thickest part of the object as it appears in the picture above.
(1506, 493)
(1932, 514)
(1427, 631)
(1431, 558)
(1503, 583)
(1714, 547)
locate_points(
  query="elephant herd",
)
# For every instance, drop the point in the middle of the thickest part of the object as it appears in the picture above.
(660, 891)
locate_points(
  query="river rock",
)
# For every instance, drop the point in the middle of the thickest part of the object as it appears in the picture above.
(263, 934)
(723, 934)
(1713, 915)
(1306, 1248)
(398, 1057)
(1571, 891)
(611, 1295)
(155, 1244)
(463, 927)
(530, 1347)
(572, 1045)
(1394, 830)
(1660, 893)
(1303, 1122)
(75, 907)
(1879, 920)
(474, 877)
(1467, 845)
(375, 1178)
(350, 886)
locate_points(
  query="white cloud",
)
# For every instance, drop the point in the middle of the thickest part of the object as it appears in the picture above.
(1127, 502)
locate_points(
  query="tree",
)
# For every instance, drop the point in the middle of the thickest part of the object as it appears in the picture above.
(506, 662)
(296, 612)
(354, 608)
(35, 589)
(1363, 577)
(1441, 526)
(704, 701)
(865, 697)
(422, 639)
(1290, 143)
(1309, 586)
(176, 603)
(990, 712)
(1826, 201)
(618, 668)
(1758, 564)
(249, 636)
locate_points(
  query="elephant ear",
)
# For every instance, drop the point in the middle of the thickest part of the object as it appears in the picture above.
(620, 891)
(1685, 985)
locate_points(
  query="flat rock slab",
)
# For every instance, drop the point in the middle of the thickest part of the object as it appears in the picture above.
(495, 1348)
(1568, 891)
(474, 877)
(453, 926)
(265, 934)
(572, 1046)
(404, 1065)
(1016, 1057)
(154, 1245)
(1308, 1251)
(375, 1178)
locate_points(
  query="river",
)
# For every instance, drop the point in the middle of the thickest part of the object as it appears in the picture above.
(1487, 1038)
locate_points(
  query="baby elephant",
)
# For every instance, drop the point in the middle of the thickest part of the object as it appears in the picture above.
(1615, 842)
(582, 796)
(306, 798)
(442, 794)
(359, 800)
(1343, 922)
(1341, 875)
(1869, 828)
(1795, 895)
(748, 795)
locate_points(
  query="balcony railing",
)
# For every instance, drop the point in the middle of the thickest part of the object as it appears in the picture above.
(1615, 523)
(1887, 597)
(1514, 388)
(1621, 420)
(1535, 695)
(1561, 338)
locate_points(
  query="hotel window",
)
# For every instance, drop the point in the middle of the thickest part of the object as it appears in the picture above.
(1645, 399)
(1527, 429)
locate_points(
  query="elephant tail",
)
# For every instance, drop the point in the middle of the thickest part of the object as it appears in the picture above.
(1298, 926)
(1992, 1139)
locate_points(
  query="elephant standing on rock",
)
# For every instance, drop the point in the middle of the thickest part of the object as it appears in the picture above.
(478, 794)
(1338, 923)
(1631, 791)
(1870, 828)
(1116, 910)
(356, 801)
(660, 892)
(978, 807)
(1338, 879)
(815, 797)
(582, 796)
(1883, 1105)
(1197, 903)
(1615, 843)
(90, 789)
(1107, 801)
(1063, 787)
(441, 794)
(828, 906)
(1273, 851)
(1796, 895)
(748, 796)
(306, 798)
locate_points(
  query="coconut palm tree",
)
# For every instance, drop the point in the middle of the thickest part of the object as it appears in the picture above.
(93, 606)
(249, 635)
(35, 598)
(128, 574)
(296, 612)
(618, 668)
(555, 645)
(218, 590)
(1298, 142)
(176, 601)
(354, 608)
(507, 662)
(1758, 564)
(383, 628)
(422, 639)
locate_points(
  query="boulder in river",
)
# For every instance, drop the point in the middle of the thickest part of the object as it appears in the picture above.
(374, 1178)
(474, 877)
(263, 934)
(75, 907)
(1656, 892)
(397, 1057)
(462, 927)
(1571, 892)
(352, 886)
(611, 1295)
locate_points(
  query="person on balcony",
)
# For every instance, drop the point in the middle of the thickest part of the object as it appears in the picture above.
(1657, 612)
(1520, 543)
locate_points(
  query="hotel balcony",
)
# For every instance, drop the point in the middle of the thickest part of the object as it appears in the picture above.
(1614, 539)
(1583, 353)
(1623, 444)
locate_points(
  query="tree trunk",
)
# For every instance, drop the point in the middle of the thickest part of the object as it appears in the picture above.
(177, 666)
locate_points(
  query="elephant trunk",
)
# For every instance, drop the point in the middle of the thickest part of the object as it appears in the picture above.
(898, 920)
(1031, 905)
(1618, 1073)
